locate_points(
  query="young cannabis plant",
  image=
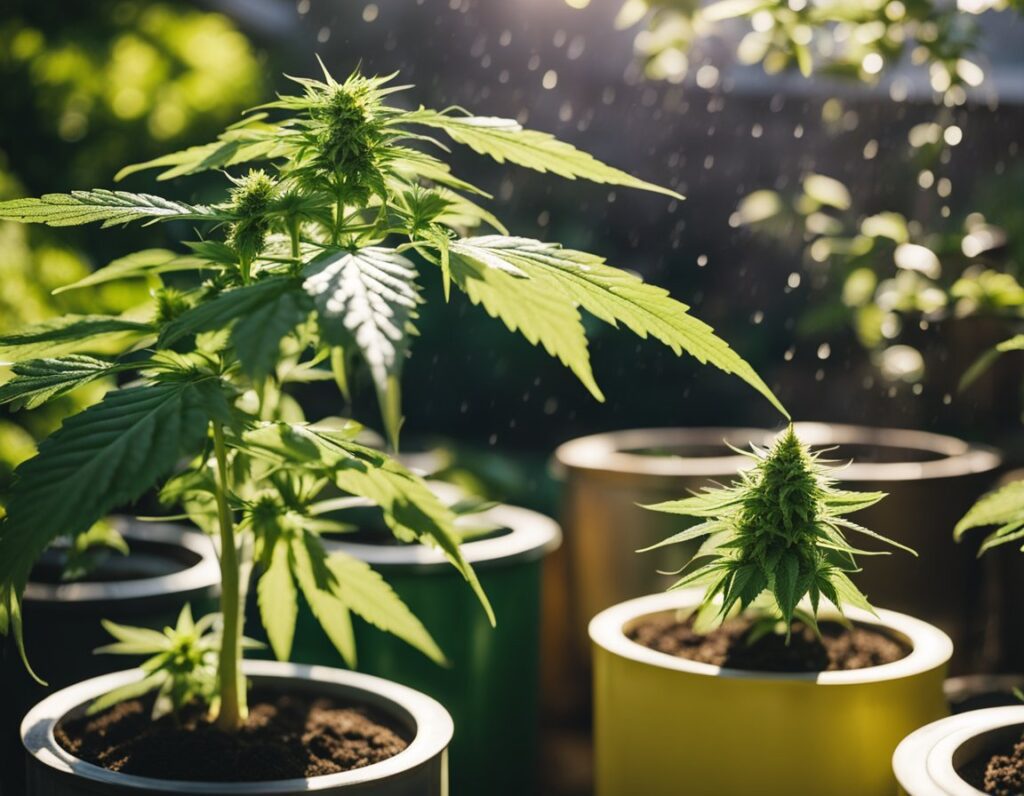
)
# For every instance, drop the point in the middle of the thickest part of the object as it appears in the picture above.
(182, 667)
(306, 263)
(774, 538)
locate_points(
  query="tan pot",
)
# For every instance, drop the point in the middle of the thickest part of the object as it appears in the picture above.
(931, 480)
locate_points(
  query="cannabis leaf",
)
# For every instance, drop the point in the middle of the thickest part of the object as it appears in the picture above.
(309, 565)
(775, 537)
(110, 207)
(367, 299)
(278, 600)
(70, 334)
(612, 295)
(1003, 507)
(224, 308)
(540, 314)
(257, 335)
(506, 140)
(100, 459)
(367, 594)
(140, 265)
(38, 380)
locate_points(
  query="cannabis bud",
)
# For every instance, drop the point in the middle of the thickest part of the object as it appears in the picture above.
(251, 199)
(776, 536)
(348, 135)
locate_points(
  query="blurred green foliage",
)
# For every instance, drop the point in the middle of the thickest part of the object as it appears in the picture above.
(87, 87)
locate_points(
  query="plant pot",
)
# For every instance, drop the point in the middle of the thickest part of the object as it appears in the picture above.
(927, 761)
(491, 687)
(665, 725)
(419, 770)
(931, 481)
(167, 567)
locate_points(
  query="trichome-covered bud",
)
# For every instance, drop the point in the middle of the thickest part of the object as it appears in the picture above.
(251, 199)
(348, 134)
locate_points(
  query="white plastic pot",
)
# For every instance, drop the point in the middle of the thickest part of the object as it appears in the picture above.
(419, 770)
(926, 761)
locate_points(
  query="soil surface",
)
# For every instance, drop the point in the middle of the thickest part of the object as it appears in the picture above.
(839, 648)
(1000, 775)
(285, 736)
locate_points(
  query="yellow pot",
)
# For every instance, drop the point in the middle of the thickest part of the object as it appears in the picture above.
(665, 726)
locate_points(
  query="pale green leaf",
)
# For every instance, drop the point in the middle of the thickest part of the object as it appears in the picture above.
(139, 266)
(308, 563)
(110, 207)
(506, 140)
(1000, 507)
(130, 691)
(541, 315)
(616, 296)
(278, 602)
(367, 594)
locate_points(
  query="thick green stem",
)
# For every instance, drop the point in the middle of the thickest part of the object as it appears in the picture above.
(233, 707)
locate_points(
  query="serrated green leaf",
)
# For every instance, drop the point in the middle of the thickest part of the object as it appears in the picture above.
(102, 458)
(784, 585)
(71, 334)
(139, 266)
(124, 693)
(257, 335)
(223, 309)
(367, 300)
(308, 565)
(110, 207)
(616, 296)
(367, 594)
(506, 140)
(541, 315)
(36, 381)
(278, 601)
(1000, 507)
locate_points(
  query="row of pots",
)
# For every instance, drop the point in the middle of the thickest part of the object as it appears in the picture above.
(657, 718)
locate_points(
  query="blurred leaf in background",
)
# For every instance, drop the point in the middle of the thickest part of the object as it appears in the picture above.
(94, 85)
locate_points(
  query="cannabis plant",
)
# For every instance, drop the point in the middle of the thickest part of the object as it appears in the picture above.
(304, 270)
(773, 539)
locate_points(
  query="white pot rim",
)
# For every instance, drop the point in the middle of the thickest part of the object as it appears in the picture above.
(931, 647)
(609, 452)
(434, 730)
(923, 761)
(531, 536)
(203, 574)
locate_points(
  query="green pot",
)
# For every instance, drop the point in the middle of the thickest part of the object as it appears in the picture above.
(167, 567)
(491, 687)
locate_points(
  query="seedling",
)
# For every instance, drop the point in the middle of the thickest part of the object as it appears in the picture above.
(305, 265)
(775, 540)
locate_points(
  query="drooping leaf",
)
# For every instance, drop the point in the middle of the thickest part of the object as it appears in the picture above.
(71, 334)
(541, 315)
(367, 299)
(102, 458)
(616, 296)
(37, 381)
(110, 207)
(1004, 507)
(278, 602)
(309, 566)
(367, 594)
(506, 140)
(139, 265)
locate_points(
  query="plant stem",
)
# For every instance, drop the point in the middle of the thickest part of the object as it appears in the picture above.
(229, 666)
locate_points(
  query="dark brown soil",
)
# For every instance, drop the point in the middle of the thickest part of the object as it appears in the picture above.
(839, 648)
(1000, 775)
(285, 736)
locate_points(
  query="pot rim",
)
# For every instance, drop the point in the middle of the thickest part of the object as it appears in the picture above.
(607, 453)
(532, 536)
(433, 731)
(930, 647)
(203, 574)
(923, 761)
